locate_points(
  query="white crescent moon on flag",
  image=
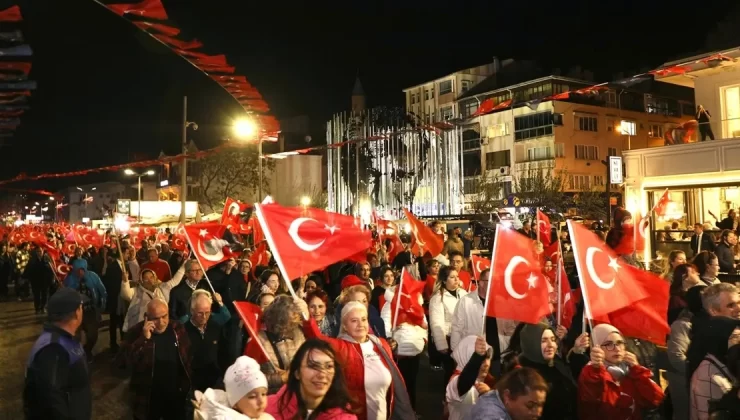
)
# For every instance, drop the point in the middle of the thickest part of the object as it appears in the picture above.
(218, 256)
(590, 252)
(643, 227)
(477, 266)
(234, 209)
(85, 238)
(507, 276)
(416, 236)
(541, 222)
(300, 243)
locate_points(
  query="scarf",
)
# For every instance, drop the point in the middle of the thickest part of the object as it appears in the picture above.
(401, 409)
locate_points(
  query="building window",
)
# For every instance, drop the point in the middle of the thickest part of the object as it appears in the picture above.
(598, 181)
(469, 108)
(426, 94)
(538, 153)
(431, 91)
(611, 99)
(731, 103)
(656, 131)
(533, 125)
(413, 98)
(587, 152)
(587, 123)
(445, 87)
(559, 150)
(627, 128)
(611, 151)
(580, 182)
(445, 113)
(495, 160)
(497, 130)
(465, 85)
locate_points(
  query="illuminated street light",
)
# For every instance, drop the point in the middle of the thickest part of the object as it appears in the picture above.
(36, 203)
(51, 198)
(244, 128)
(131, 172)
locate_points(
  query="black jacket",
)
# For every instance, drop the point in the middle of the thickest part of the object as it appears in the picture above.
(112, 282)
(38, 270)
(707, 242)
(562, 399)
(57, 378)
(725, 258)
(205, 350)
(180, 298)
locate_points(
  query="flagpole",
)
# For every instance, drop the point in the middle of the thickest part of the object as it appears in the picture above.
(537, 223)
(560, 281)
(397, 298)
(586, 304)
(257, 340)
(490, 277)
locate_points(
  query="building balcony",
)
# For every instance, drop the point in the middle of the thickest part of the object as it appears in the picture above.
(535, 164)
(701, 163)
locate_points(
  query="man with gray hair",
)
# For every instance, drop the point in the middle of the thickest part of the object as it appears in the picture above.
(158, 351)
(204, 332)
(722, 299)
(180, 294)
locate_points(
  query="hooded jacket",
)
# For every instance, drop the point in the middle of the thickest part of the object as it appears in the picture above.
(99, 295)
(214, 405)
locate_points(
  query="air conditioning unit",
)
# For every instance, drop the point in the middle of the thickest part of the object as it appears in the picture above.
(505, 170)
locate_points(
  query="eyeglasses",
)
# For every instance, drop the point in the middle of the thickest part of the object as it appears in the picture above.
(611, 346)
(196, 270)
(203, 314)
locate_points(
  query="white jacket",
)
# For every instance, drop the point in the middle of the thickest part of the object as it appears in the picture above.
(213, 405)
(141, 297)
(411, 339)
(441, 309)
(468, 320)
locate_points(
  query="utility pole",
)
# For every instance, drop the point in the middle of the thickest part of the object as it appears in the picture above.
(184, 163)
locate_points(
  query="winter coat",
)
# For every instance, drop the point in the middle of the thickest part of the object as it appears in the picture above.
(279, 353)
(99, 294)
(600, 397)
(711, 380)
(441, 309)
(678, 346)
(377, 326)
(562, 399)
(214, 405)
(411, 338)
(489, 407)
(140, 357)
(283, 406)
(141, 297)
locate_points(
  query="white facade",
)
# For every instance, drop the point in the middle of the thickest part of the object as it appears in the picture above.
(295, 177)
(435, 100)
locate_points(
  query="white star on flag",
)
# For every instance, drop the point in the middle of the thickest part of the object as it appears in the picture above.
(532, 280)
(203, 233)
(614, 264)
(331, 228)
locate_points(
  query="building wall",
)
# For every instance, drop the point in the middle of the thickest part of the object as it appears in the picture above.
(295, 177)
(104, 194)
(708, 92)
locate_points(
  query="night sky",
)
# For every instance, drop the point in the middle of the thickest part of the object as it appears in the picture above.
(107, 91)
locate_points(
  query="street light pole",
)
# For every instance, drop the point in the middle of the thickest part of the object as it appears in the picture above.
(139, 215)
(259, 168)
(184, 164)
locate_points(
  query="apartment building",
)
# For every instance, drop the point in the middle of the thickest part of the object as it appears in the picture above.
(572, 133)
(435, 100)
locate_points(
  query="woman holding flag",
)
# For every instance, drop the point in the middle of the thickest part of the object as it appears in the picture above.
(441, 310)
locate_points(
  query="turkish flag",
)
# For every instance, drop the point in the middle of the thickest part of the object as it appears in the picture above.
(552, 252)
(231, 216)
(605, 283)
(479, 264)
(517, 289)
(388, 232)
(425, 238)
(306, 239)
(544, 228)
(645, 319)
(406, 306)
(152, 9)
(206, 241)
(642, 229)
(662, 204)
(567, 298)
(250, 315)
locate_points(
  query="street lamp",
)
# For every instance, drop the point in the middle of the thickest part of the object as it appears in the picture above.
(245, 129)
(131, 172)
(184, 169)
(51, 198)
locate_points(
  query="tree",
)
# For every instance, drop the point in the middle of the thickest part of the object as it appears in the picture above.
(230, 173)
(542, 188)
(486, 195)
(592, 204)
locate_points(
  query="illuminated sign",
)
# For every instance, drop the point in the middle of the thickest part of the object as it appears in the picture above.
(616, 176)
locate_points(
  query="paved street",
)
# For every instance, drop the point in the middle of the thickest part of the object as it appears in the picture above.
(19, 328)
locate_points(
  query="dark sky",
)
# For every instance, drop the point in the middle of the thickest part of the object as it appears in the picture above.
(107, 91)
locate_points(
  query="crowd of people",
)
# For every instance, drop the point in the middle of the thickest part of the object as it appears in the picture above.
(333, 349)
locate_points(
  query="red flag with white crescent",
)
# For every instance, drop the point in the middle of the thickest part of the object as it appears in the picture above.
(231, 216)
(606, 284)
(517, 288)
(303, 240)
(206, 240)
(661, 205)
(250, 315)
(544, 228)
(479, 264)
(424, 238)
(642, 229)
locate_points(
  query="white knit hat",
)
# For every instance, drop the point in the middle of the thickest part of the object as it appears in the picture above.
(241, 378)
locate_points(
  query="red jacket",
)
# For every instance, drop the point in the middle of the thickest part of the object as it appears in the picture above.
(601, 398)
(349, 356)
(160, 268)
(288, 408)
